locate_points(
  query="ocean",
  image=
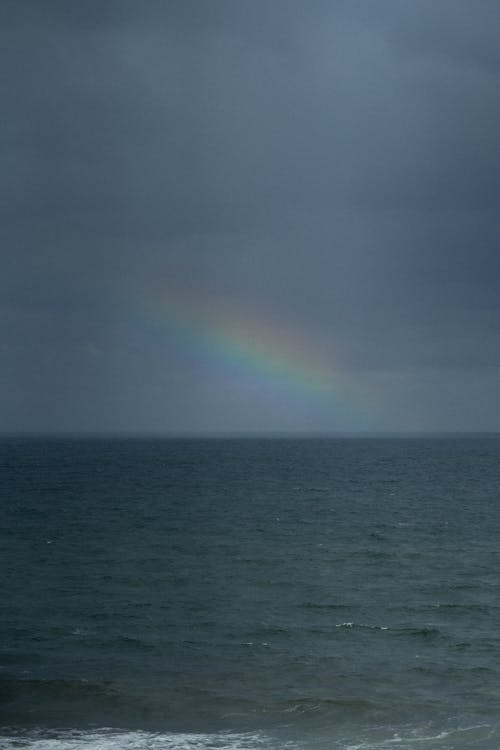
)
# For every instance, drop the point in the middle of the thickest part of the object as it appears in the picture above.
(250, 594)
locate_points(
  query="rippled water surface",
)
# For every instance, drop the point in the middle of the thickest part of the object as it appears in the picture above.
(250, 594)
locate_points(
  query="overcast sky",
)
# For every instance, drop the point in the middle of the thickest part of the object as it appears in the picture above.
(207, 203)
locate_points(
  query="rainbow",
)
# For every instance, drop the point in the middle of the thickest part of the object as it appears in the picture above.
(262, 358)
(240, 338)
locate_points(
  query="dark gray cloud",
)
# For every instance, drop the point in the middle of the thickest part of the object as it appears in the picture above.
(330, 168)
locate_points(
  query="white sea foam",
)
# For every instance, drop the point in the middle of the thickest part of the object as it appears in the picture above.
(104, 739)
(407, 738)
(477, 736)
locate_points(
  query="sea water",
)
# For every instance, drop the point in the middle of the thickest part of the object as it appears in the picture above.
(250, 594)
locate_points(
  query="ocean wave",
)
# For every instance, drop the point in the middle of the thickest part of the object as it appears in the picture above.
(60, 702)
(426, 631)
(446, 608)
(58, 688)
(316, 705)
(376, 738)
(410, 738)
(360, 626)
(326, 607)
(107, 739)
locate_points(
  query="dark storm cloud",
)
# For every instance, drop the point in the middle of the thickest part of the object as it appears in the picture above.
(335, 164)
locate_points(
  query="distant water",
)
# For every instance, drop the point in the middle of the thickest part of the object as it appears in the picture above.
(250, 594)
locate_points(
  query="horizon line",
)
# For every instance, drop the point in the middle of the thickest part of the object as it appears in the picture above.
(247, 434)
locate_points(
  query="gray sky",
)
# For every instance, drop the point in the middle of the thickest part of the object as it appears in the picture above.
(250, 215)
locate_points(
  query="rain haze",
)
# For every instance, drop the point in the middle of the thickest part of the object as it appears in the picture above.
(245, 216)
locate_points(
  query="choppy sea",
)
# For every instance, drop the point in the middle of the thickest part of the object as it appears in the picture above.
(249, 594)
